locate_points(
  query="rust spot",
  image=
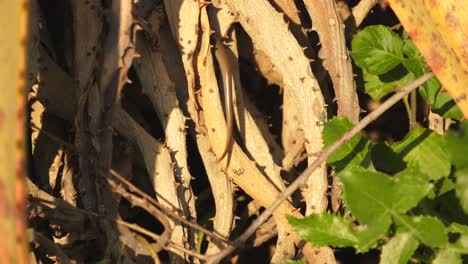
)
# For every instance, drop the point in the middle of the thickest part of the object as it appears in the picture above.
(435, 61)
(302, 79)
(414, 34)
(290, 58)
(24, 41)
(454, 78)
(5, 207)
(452, 21)
(461, 98)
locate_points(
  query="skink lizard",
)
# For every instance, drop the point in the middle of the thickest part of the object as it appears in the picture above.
(226, 73)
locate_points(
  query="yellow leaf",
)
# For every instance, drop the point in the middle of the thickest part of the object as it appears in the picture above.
(439, 30)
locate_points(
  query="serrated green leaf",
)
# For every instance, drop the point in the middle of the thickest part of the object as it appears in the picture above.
(373, 196)
(369, 235)
(428, 230)
(430, 89)
(399, 249)
(377, 49)
(447, 256)
(377, 86)
(386, 160)
(461, 244)
(446, 107)
(352, 152)
(457, 146)
(411, 50)
(462, 188)
(441, 103)
(446, 207)
(441, 187)
(458, 228)
(325, 229)
(425, 150)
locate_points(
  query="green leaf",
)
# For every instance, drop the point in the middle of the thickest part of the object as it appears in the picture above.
(378, 86)
(462, 188)
(446, 107)
(353, 152)
(399, 249)
(441, 103)
(373, 196)
(325, 229)
(386, 160)
(458, 228)
(425, 150)
(411, 50)
(457, 146)
(447, 256)
(461, 244)
(446, 207)
(370, 234)
(428, 230)
(441, 187)
(377, 49)
(417, 65)
(430, 89)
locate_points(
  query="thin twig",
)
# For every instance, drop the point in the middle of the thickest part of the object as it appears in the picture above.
(408, 110)
(166, 210)
(133, 227)
(263, 217)
(146, 232)
(141, 202)
(414, 109)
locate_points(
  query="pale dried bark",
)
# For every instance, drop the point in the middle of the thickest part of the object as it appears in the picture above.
(256, 146)
(270, 34)
(157, 85)
(336, 60)
(159, 166)
(183, 18)
(361, 10)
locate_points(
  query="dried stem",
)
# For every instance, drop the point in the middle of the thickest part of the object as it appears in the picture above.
(263, 217)
(140, 202)
(166, 210)
(133, 227)
(51, 248)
